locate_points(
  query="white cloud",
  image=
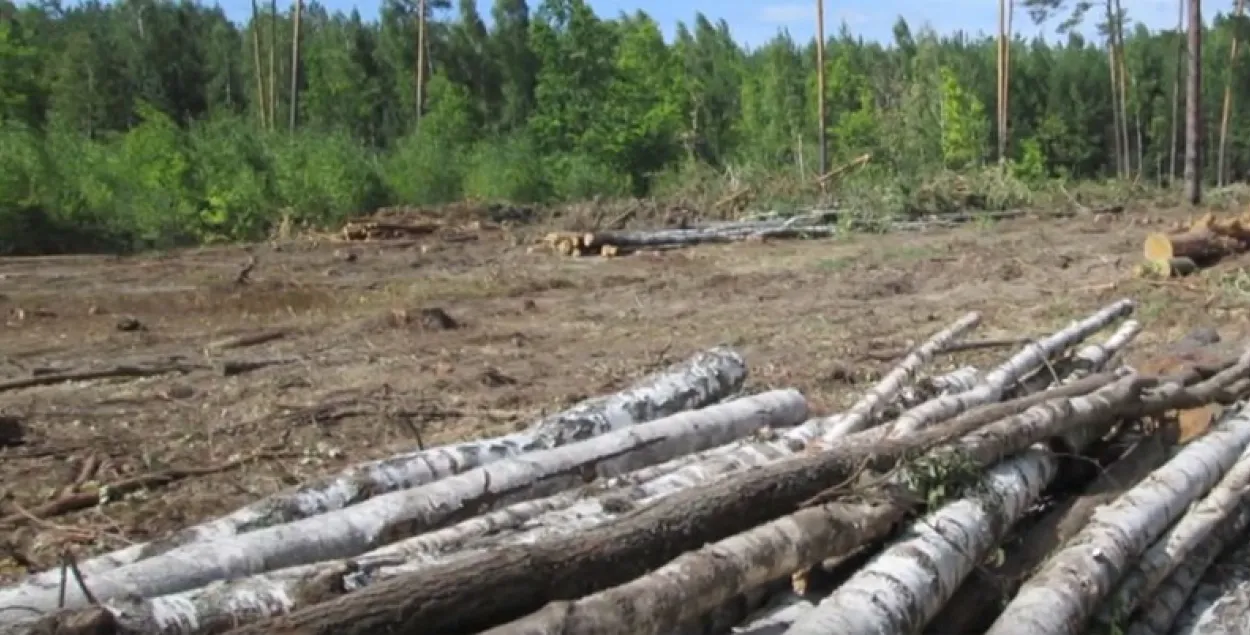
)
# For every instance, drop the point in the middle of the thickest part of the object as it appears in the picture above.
(788, 13)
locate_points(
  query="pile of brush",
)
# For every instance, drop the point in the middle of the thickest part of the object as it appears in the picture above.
(1058, 492)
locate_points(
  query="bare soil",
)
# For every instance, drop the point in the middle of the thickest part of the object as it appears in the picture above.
(446, 338)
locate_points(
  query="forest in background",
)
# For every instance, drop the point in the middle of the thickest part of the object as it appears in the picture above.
(152, 123)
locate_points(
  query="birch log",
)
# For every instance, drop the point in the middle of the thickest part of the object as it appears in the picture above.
(1156, 616)
(700, 580)
(1061, 597)
(580, 518)
(1178, 543)
(742, 455)
(1220, 605)
(905, 587)
(225, 604)
(777, 618)
(397, 515)
(998, 380)
(706, 378)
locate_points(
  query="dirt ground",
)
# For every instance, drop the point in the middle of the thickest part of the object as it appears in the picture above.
(363, 366)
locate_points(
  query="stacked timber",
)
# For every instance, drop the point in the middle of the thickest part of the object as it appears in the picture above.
(1195, 245)
(1059, 492)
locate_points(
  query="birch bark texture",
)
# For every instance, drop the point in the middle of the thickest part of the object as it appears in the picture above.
(384, 519)
(705, 378)
(1063, 595)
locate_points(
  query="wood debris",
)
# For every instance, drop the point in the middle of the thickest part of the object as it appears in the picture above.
(1059, 492)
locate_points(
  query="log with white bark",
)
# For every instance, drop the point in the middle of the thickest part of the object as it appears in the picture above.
(221, 605)
(973, 608)
(742, 455)
(997, 381)
(1061, 597)
(587, 515)
(1220, 605)
(959, 380)
(705, 378)
(905, 587)
(778, 616)
(1156, 615)
(697, 236)
(700, 580)
(390, 517)
(1180, 540)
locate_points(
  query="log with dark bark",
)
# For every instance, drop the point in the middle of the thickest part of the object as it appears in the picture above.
(483, 590)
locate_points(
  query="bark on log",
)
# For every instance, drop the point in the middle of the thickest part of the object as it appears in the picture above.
(777, 618)
(956, 381)
(1178, 543)
(397, 515)
(1220, 605)
(998, 380)
(656, 238)
(699, 581)
(976, 604)
(1061, 597)
(905, 587)
(861, 414)
(1159, 613)
(473, 593)
(705, 378)
(739, 456)
(1200, 245)
(222, 605)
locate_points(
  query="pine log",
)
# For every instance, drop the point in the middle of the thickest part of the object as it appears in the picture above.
(1200, 245)
(997, 381)
(1062, 596)
(390, 517)
(1176, 545)
(905, 587)
(473, 593)
(1156, 615)
(707, 377)
(1220, 605)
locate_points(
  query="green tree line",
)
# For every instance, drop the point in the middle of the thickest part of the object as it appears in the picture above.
(153, 123)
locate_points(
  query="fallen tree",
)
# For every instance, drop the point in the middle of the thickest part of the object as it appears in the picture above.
(705, 378)
(479, 591)
(1063, 595)
(1220, 605)
(397, 515)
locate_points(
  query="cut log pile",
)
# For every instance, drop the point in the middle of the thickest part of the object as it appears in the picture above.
(1059, 492)
(1195, 245)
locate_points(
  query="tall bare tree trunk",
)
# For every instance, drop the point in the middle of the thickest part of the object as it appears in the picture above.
(1002, 82)
(1176, 87)
(420, 98)
(1193, 107)
(273, 63)
(299, 6)
(820, 88)
(262, 109)
(1122, 73)
(1228, 100)
(1113, 68)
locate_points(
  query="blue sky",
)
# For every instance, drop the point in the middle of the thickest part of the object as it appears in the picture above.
(754, 22)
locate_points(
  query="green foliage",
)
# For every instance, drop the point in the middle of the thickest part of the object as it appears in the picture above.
(120, 131)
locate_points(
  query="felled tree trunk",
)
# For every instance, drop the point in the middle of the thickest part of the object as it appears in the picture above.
(664, 237)
(706, 378)
(397, 515)
(998, 380)
(905, 587)
(1220, 605)
(1157, 615)
(699, 581)
(973, 608)
(1175, 546)
(1062, 596)
(222, 605)
(473, 593)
